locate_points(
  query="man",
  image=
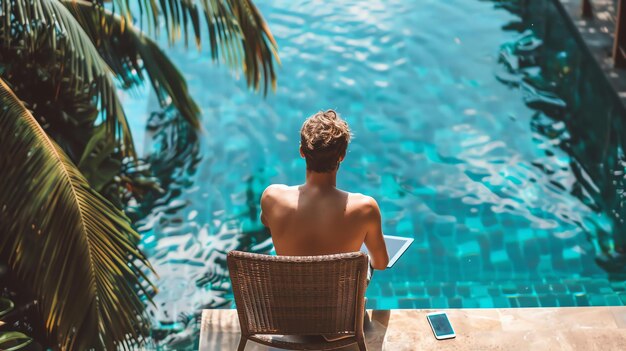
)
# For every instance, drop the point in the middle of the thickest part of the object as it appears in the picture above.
(316, 218)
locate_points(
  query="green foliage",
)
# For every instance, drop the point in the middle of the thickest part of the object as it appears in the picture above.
(237, 32)
(11, 341)
(83, 240)
(130, 53)
(47, 23)
(6, 306)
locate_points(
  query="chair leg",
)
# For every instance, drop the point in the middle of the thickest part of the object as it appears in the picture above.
(362, 346)
(242, 343)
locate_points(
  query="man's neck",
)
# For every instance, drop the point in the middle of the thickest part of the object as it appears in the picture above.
(321, 180)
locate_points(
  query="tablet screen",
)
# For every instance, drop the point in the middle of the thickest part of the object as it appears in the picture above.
(396, 246)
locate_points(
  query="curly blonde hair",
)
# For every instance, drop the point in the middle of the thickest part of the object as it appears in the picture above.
(324, 139)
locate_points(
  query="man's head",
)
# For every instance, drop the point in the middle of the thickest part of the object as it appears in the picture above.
(324, 139)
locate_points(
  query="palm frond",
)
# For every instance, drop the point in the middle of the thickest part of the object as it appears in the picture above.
(74, 247)
(238, 34)
(130, 53)
(79, 54)
(14, 341)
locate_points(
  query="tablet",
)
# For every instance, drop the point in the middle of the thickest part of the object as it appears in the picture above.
(396, 246)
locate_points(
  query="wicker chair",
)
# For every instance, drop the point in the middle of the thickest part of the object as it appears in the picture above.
(300, 295)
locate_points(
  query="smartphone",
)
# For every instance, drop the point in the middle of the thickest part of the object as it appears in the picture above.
(440, 325)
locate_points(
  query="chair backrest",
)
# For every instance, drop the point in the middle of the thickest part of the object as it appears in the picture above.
(299, 295)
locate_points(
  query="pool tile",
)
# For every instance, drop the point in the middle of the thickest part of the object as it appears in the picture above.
(454, 266)
(528, 301)
(489, 219)
(545, 264)
(496, 239)
(524, 233)
(596, 300)
(547, 300)
(573, 265)
(544, 245)
(470, 303)
(473, 222)
(455, 302)
(501, 302)
(581, 299)
(471, 266)
(478, 291)
(575, 288)
(542, 288)
(464, 291)
(515, 255)
(498, 256)
(445, 226)
(417, 290)
(433, 290)
(422, 302)
(569, 254)
(558, 288)
(494, 291)
(598, 287)
(613, 300)
(622, 297)
(406, 303)
(448, 289)
(470, 248)
(565, 300)
(401, 290)
(486, 302)
(386, 289)
(405, 228)
(532, 254)
(371, 303)
(509, 289)
(618, 286)
(439, 302)
(524, 288)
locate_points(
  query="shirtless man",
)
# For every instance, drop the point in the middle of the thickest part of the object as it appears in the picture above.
(316, 218)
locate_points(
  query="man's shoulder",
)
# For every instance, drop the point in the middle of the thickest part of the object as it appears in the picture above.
(277, 192)
(275, 189)
(362, 203)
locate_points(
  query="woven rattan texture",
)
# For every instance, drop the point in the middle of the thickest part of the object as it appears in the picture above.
(304, 295)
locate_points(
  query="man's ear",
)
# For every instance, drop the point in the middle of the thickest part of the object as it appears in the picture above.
(342, 157)
(301, 151)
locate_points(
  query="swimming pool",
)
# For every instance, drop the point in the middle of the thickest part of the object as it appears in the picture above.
(460, 152)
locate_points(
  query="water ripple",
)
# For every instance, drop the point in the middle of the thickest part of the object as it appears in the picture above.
(439, 140)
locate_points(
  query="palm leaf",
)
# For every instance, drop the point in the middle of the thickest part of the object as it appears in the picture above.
(77, 251)
(237, 31)
(13, 341)
(6, 306)
(80, 55)
(129, 53)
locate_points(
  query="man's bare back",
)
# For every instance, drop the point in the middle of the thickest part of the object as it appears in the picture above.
(318, 220)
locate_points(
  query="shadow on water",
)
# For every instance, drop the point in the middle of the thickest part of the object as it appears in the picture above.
(187, 250)
(577, 111)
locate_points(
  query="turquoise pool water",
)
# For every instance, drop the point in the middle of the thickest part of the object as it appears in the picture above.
(458, 152)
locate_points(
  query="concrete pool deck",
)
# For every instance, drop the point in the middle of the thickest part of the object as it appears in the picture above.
(564, 328)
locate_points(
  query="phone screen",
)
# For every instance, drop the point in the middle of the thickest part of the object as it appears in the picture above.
(441, 324)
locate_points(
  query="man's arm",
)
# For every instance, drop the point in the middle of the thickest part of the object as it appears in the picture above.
(269, 201)
(374, 240)
(266, 200)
